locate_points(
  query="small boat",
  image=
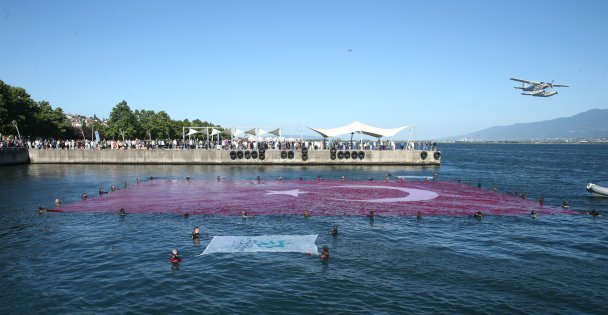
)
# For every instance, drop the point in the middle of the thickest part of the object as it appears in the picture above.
(597, 189)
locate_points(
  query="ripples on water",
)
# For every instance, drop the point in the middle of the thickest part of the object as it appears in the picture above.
(101, 263)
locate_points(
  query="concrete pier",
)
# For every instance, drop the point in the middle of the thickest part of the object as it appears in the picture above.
(245, 157)
(10, 156)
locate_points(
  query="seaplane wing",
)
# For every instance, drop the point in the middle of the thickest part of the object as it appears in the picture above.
(526, 81)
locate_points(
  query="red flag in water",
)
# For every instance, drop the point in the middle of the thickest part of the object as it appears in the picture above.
(327, 197)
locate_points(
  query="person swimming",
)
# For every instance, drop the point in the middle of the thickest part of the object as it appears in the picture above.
(594, 213)
(57, 202)
(175, 257)
(494, 189)
(419, 215)
(244, 215)
(342, 178)
(84, 196)
(187, 178)
(258, 179)
(220, 178)
(371, 215)
(523, 195)
(112, 188)
(541, 200)
(279, 177)
(325, 253)
(533, 213)
(334, 230)
(101, 191)
(307, 214)
(122, 212)
(137, 180)
(196, 233)
(478, 215)
(565, 204)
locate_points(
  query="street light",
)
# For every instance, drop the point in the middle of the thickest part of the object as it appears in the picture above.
(14, 122)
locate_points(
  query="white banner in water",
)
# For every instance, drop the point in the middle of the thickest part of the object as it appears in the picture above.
(263, 243)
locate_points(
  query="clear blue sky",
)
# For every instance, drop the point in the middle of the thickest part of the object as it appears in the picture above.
(441, 65)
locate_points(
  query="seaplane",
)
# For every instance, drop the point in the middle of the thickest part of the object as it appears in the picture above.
(538, 89)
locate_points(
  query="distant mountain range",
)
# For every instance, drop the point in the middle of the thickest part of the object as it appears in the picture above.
(591, 124)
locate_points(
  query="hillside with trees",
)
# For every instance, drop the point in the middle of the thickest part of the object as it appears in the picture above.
(40, 120)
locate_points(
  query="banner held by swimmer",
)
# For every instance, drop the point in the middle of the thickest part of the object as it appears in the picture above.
(263, 243)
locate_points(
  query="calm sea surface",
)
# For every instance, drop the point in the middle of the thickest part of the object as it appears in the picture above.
(92, 263)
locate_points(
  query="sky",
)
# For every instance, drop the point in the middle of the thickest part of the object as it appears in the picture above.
(443, 66)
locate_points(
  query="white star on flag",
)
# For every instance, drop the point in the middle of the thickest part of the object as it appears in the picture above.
(293, 192)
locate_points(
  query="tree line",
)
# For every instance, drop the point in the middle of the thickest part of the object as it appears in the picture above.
(41, 120)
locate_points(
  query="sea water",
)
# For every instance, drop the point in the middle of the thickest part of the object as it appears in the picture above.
(76, 262)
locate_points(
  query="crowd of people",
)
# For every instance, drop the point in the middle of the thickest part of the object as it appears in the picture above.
(225, 144)
(10, 142)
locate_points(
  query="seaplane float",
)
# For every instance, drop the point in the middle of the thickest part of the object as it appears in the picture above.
(597, 189)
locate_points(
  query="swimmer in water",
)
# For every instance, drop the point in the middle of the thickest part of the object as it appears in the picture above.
(244, 215)
(325, 253)
(565, 204)
(280, 178)
(370, 179)
(523, 195)
(220, 178)
(342, 178)
(541, 200)
(175, 257)
(57, 202)
(137, 180)
(419, 215)
(371, 215)
(122, 212)
(594, 213)
(533, 213)
(196, 233)
(334, 231)
(101, 191)
(112, 188)
(318, 177)
(494, 189)
(478, 215)
(188, 178)
(186, 215)
(258, 179)
(307, 214)
(84, 196)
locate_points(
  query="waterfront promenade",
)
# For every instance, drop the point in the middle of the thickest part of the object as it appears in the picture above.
(237, 157)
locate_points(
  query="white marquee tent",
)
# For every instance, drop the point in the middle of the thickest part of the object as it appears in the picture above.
(360, 128)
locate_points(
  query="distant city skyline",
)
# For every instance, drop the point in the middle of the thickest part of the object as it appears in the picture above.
(443, 66)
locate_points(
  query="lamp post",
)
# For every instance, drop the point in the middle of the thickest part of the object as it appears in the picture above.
(14, 122)
(351, 139)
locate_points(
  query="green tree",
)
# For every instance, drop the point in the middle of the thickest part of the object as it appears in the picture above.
(146, 121)
(122, 122)
(49, 122)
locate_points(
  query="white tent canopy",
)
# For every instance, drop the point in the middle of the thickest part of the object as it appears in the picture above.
(276, 132)
(191, 132)
(358, 127)
(215, 131)
(234, 131)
